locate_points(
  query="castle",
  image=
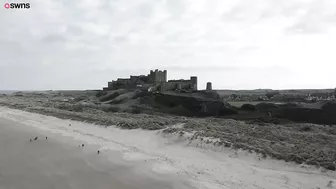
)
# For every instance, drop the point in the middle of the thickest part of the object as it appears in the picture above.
(155, 81)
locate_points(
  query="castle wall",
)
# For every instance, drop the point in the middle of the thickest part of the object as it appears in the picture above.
(110, 85)
(124, 86)
(172, 85)
(156, 78)
(181, 84)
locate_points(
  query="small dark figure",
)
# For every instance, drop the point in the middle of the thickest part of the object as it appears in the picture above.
(330, 183)
(35, 138)
(98, 152)
(46, 138)
(82, 145)
(69, 124)
(30, 140)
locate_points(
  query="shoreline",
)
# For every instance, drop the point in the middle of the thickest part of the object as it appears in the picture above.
(172, 154)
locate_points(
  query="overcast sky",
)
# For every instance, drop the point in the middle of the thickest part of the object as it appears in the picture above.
(235, 44)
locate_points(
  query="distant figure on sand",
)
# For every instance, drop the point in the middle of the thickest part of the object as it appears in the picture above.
(98, 152)
(30, 140)
(35, 138)
(82, 145)
(46, 138)
(69, 124)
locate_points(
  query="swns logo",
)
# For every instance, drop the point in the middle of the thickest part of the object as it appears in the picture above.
(17, 5)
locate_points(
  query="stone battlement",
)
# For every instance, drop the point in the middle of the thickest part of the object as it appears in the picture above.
(156, 80)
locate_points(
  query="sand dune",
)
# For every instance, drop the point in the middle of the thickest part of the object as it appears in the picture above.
(165, 158)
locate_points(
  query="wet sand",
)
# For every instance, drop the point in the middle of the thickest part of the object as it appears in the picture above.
(53, 164)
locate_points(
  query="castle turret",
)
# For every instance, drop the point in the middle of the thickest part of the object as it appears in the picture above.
(178, 86)
(193, 80)
(165, 75)
(209, 86)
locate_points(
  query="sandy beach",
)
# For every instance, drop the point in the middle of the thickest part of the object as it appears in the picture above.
(59, 163)
(132, 159)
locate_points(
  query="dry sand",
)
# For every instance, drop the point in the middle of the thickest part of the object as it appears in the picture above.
(133, 159)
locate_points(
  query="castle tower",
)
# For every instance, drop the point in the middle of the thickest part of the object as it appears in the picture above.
(165, 75)
(151, 76)
(110, 85)
(193, 80)
(209, 86)
(178, 86)
(158, 76)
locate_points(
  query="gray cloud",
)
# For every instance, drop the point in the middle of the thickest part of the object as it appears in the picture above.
(74, 30)
(312, 18)
(91, 42)
(53, 39)
(238, 12)
(176, 8)
(304, 27)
